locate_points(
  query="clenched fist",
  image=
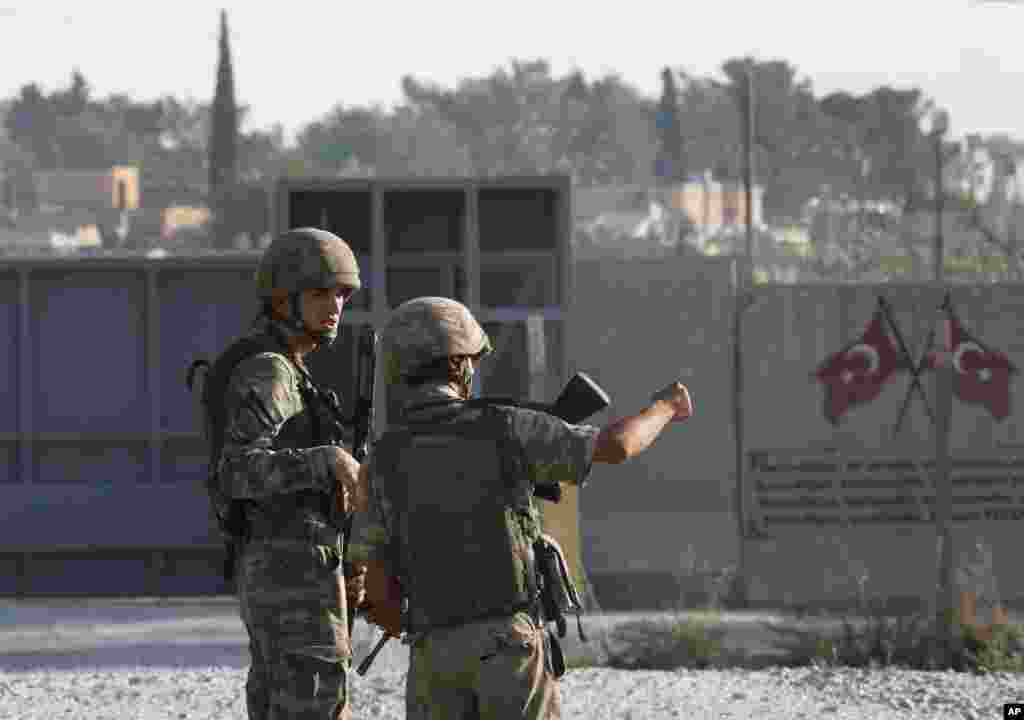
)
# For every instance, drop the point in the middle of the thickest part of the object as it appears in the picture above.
(678, 397)
(355, 585)
(350, 493)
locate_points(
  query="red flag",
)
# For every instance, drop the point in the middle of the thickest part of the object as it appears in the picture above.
(855, 374)
(982, 375)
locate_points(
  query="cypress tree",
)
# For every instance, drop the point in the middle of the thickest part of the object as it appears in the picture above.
(671, 162)
(223, 151)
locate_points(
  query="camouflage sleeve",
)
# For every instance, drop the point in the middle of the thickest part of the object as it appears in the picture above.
(554, 450)
(371, 528)
(261, 396)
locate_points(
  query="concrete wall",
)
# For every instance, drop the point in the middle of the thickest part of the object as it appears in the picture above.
(668, 513)
(636, 326)
(788, 331)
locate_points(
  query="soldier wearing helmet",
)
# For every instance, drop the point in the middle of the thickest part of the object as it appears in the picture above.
(451, 516)
(286, 483)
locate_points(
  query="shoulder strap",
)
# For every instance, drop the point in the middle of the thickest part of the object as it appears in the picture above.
(215, 384)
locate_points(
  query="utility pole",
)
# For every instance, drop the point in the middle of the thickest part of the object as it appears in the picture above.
(743, 281)
(748, 161)
(946, 592)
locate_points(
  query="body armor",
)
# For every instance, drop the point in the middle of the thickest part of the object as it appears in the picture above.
(464, 515)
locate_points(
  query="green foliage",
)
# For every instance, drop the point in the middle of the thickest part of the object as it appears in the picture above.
(911, 640)
(1003, 652)
(661, 645)
(922, 640)
(874, 640)
(523, 120)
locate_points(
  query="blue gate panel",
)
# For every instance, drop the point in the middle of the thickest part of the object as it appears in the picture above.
(89, 351)
(9, 391)
(9, 570)
(62, 575)
(113, 573)
(108, 515)
(201, 311)
(92, 463)
(184, 462)
(194, 574)
(9, 462)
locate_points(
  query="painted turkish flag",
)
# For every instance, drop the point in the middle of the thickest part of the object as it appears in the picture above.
(982, 375)
(855, 374)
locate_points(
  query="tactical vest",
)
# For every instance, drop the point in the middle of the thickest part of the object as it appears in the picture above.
(313, 426)
(462, 514)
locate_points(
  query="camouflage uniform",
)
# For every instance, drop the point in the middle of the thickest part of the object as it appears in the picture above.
(290, 586)
(495, 667)
(288, 574)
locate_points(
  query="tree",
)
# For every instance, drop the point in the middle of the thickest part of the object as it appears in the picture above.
(788, 140)
(671, 162)
(419, 142)
(73, 101)
(897, 151)
(262, 154)
(32, 123)
(343, 138)
(523, 120)
(19, 189)
(223, 164)
(506, 120)
(996, 217)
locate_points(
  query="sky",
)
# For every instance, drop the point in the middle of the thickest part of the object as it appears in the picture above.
(295, 61)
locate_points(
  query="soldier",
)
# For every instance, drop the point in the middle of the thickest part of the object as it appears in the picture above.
(452, 518)
(288, 485)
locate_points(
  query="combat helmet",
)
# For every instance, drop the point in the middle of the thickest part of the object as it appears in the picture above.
(303, 259)
(425, 329)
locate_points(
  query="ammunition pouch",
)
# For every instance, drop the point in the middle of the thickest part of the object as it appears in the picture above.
(558, 594)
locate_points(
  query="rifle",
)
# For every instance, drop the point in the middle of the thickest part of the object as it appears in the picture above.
(362, 418)
(580, 398)
(362, 428)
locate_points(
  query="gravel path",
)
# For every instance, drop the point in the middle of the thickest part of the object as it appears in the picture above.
(588, 694)
(141, 662)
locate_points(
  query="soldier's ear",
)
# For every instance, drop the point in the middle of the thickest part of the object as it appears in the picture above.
(279, 304)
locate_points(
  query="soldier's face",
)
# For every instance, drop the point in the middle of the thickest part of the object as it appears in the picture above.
(321, 308)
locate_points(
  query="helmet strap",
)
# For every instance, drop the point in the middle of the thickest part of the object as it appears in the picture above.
(322, 339)
(295, 312)
(465, 379)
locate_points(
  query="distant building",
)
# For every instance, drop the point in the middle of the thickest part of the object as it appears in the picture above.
(712, 206)
(115, 188)
(76, 209)
(642, 221)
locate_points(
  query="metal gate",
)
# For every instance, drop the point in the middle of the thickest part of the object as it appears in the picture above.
(101, 458)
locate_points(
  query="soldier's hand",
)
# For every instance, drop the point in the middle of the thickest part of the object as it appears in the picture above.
(678, 398)
(349, 491)
(383, 604)
(355, 586)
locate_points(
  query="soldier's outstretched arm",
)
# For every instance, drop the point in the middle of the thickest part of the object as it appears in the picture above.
(262, 395)
(630, 436)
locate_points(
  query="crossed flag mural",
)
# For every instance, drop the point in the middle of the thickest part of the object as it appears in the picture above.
(856, 374)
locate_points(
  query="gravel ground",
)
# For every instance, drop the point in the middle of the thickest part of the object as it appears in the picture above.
(139, 662)
(591, 694)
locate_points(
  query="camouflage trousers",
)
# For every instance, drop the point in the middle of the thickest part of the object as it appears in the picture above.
(489, 670)
(292, 601)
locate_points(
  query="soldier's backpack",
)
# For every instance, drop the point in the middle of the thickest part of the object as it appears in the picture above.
(229, 516)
